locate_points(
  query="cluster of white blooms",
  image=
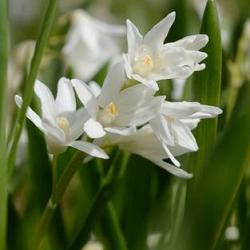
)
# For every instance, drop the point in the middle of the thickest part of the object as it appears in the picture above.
(125, 113)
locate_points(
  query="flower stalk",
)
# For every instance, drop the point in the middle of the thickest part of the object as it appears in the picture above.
(3, 138)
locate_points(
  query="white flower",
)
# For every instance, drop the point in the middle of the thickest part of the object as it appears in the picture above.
(115, 110)
(176, 120)
(149, 59)
(90, 44)
(145, 143)
(61, 122)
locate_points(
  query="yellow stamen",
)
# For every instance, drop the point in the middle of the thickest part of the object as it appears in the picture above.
(112, 109)
(148, 60)
(63, 123)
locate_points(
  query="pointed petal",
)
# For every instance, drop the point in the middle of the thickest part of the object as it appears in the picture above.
(189, 110)
(95, 88)
(54, 133)
(170, 155)
(47, 100)
(173, 170)
(30, 114)
(94, 129)
(112, 84)
(142, 114)
(89, 148)
(133, 97)
(77, 123)
(65, 99)
(184, 136)
(121, 130)
(152, 84)
(86, 96)
(156, 36)
(134, 38)
(193, 42)
(161, 129)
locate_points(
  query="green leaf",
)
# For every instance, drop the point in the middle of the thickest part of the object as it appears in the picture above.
(220, 182)
(3, 112)
(207, 85)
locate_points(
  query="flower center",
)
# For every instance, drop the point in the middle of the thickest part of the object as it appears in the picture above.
(143, 65)
(108, 114)
(63, 123)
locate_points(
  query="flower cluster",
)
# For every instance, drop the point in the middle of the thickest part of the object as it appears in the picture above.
(125, 113)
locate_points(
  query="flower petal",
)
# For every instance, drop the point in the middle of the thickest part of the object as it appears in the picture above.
(170, 155)
(134, 38)
(95, 88)
(89, 148)
(152, 84)
(53, 132)
(125, 131)
(193, 42)
(94, 129)
(184, 136)
(174, 170)
(142, 114)
(65, 99)
(47, 100)
(112, 84)
(161, 129)
(189, 110)
(30, 114)
(77, 120)
(86, 96)
(156, 36)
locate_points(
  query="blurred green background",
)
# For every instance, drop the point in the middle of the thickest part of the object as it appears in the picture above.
(153, 209)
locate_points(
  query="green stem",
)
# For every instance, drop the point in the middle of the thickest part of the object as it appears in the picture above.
(29, 83)
(3, 109)
(113, 228)
(54, 161)
(100, 201)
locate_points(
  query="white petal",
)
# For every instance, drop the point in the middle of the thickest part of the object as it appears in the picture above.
(152, 84)
(89, 148)
(183, 136)
(133, 97)
(65, 99)
(121, 130)
(189, 110)
(193, 42)
(94, 129)
(142, 114)
(156, 36)
(77, 123)
(112, 84)
(53, 132)
(134, 38)
(30, 114)
(174, 170)
(86, 96)
(47, 100)
(161, 129)
(170, 155)
(95, 88)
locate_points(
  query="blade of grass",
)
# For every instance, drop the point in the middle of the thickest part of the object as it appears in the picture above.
(207, 85)
(3, 109)
(220, 182)
(29, 83)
